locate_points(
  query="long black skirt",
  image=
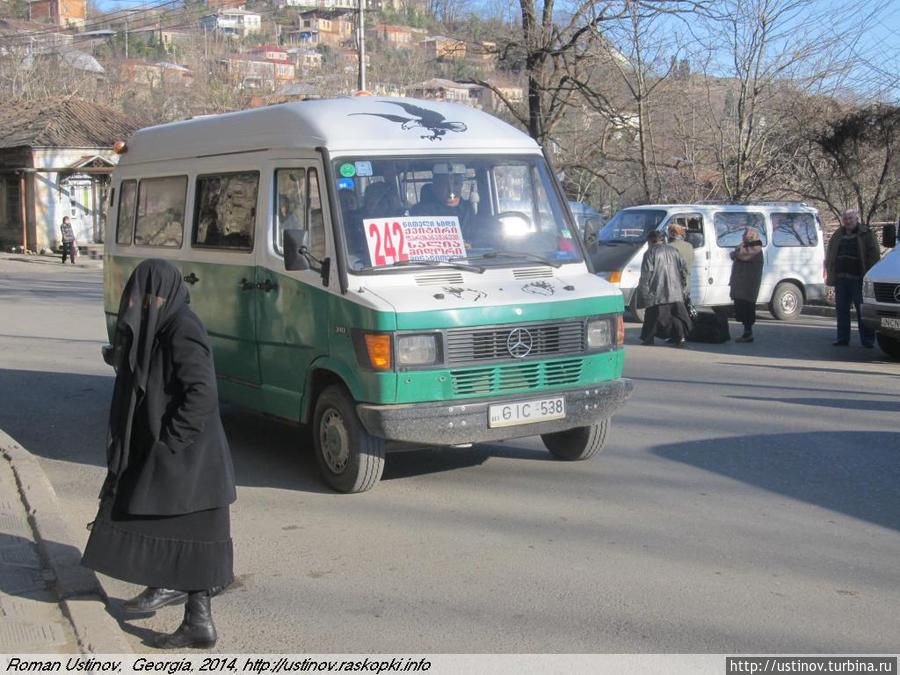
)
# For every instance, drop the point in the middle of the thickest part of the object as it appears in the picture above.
(189, 552)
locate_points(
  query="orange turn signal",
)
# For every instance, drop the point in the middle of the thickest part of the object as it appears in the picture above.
(119, 147)
(615, 276)
(620, 331)
(378, 346)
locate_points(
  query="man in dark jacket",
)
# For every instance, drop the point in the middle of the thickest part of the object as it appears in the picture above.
(852, 251)
(661, 291)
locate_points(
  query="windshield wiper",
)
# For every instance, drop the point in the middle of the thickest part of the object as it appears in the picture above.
(424, 263)
(518, 254)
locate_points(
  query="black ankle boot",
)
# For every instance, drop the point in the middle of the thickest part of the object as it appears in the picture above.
(196, 629)
(152, 599)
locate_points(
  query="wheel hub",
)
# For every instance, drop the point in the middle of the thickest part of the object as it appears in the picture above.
(789, 303)
(335, 441)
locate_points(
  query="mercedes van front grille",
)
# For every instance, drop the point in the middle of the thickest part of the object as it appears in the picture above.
(514, 341)
(889, 293)
(515, 377)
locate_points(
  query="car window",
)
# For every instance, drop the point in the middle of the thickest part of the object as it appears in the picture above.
(731, 225)
(794, 229)
(160, 211)
(226, 211)
(127, 201)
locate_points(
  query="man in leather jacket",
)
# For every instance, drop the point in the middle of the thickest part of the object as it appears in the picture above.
(661, 291)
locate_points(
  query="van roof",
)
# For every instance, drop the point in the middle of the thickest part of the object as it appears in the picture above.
(754, 206)
(352, 124)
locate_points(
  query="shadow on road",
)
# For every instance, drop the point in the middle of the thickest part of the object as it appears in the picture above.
(63, 416)
(856, 473)
(840, 403)
(809, 369)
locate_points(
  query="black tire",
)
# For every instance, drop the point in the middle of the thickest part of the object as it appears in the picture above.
(350, 459)
(787, 302)
(579, 443)
(636, 314)
(889, 345)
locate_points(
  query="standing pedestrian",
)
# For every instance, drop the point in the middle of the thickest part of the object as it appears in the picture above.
(163, 520)
(661, 291)
(746, 277)
(69, 245)
(852, 250)
(678, 242)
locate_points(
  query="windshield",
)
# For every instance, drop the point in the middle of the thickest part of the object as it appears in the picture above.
(630, 226)
(436, 210)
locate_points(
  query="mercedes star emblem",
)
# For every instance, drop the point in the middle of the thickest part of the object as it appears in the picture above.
(519, 343)
(897, 293)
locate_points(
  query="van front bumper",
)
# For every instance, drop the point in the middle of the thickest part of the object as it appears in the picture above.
(872, 315)
(466, 421)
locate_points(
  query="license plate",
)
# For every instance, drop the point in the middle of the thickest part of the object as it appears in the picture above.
(526, 412)
(890, 322)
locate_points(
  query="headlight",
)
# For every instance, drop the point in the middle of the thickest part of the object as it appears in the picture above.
(416, 350)
(599, 334)
(868, 290)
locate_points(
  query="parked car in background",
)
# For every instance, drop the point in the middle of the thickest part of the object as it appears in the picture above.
(881, 296)
(791, 234)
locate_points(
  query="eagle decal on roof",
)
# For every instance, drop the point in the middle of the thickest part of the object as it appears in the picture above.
(433, 122)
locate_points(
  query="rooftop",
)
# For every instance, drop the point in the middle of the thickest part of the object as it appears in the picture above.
(63, 122)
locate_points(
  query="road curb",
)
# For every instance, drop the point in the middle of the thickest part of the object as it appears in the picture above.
(818, 310)
(81, 597)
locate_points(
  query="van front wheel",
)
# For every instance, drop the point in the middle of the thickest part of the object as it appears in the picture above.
(579, 443)
(787, 301)
(350, 458)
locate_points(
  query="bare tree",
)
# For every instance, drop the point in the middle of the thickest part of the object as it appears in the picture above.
(761, 54)
(853, 160)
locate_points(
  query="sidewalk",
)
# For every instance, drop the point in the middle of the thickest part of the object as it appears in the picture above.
(82, 261)
(49, 603)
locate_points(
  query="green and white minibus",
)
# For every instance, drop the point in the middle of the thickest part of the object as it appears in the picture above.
(389, 272)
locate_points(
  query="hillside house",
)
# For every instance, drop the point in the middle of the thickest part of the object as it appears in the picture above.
(237, 23)
(66, 13)
(55, 160)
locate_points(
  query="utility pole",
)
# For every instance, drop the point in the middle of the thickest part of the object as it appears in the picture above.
(361, 36)
(126, 38)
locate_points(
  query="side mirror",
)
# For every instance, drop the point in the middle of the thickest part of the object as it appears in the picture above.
(294, 260)
(889, 236)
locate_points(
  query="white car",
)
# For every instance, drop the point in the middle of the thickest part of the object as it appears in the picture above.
(881, 297)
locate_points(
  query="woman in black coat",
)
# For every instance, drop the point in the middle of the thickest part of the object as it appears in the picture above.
(163, 520)
(746, 277)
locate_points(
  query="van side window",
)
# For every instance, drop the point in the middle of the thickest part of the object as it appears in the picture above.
(125, 219)
(290, 203)
(794, 229)
(225, 211)
(693, 227)
(160, 211)
(730, 227)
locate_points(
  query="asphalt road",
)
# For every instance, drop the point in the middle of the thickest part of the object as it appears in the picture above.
(748, 501)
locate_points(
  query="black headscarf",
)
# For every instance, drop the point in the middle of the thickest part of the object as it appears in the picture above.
(152, 297)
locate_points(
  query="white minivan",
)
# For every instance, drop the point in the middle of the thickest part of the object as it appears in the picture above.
(386, 271)
(791, 234)
(881, 296)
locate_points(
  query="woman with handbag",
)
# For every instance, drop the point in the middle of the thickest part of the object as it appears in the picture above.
(163, 520)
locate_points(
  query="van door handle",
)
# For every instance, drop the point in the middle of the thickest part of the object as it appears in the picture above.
(247, 285)
(267, 285)
(192, 278)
